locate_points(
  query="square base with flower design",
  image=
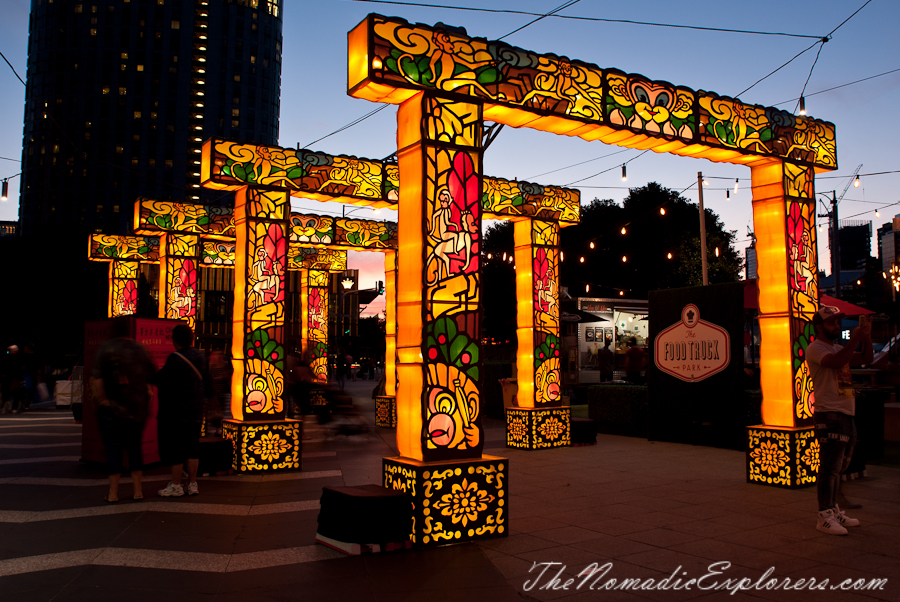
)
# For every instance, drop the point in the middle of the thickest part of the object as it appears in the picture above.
(455, 501)
(538, 428)
(782, 456)
(264, 447)
(386, 411)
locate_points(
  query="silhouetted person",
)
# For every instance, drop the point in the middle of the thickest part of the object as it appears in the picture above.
(120, 385)
(184, 385)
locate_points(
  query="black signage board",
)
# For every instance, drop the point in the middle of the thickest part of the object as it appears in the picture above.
(711, 411)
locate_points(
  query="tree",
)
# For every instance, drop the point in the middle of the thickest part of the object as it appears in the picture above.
(650, 236)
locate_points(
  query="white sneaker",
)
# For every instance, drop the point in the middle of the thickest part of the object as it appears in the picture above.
(173, 490)
(842, 517)
(828, 523)
(192, 489)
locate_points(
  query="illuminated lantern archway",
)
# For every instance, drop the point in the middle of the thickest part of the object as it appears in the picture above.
(447, 84)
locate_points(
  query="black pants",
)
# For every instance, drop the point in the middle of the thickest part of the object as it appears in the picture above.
(120, 434)
(836, 433)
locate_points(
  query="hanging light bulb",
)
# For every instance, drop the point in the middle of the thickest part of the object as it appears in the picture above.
(802, 106)
(504, 257)
(856, 182)
(581, 260)
(717, 251)
(820, 227)
(624, 258)
(592, 244)
(877, 214)
(624, 173)
(858, 283)
(668, 256)
(5, 193)
(489, 255)
(587, 288)
(621, 293)
(705, 182)
(662, 210)
(736, 185)
(623, 230)
(561, 256)
(727, 194)
(883, 275)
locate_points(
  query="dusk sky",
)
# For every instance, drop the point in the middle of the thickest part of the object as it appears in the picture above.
(315, 102)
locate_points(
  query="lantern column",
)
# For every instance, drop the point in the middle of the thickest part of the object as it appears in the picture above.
(386, 405)
(178, 277)
(458, 494)
(123, 288)
(540, 420)
(783, 451)
(314, 331)
(264, 440)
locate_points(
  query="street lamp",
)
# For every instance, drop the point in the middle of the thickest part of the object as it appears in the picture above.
(346, 286)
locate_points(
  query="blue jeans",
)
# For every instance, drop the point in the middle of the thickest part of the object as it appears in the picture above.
(836, 433)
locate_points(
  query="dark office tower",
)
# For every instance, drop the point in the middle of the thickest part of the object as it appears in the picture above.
(856, 244)
(122, 93)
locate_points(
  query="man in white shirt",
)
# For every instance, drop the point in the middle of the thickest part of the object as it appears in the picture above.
(833, 409)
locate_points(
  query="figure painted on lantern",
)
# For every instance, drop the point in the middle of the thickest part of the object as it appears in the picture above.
(126, 300)
(655, 107)
(266, 275)
(562, 87)
(800, 258)
(451, 237)
(181, 299)
(452, 412)
(444, 62)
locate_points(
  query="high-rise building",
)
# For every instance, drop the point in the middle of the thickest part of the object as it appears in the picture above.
(121, 95)
(856, 243)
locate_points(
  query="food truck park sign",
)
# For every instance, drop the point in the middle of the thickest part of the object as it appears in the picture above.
(692, 349)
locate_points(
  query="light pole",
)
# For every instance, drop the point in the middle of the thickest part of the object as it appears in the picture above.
(834, 241)
(703, 264)
(346, 285)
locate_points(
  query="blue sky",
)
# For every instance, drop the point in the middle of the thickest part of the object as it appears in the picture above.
(315, 103)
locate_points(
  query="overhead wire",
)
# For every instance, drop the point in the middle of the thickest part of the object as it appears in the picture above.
(349, 125)
(544, 16)
(579, 163)
(838, 87)
(594, 19)
(822, 41)
(610, 169)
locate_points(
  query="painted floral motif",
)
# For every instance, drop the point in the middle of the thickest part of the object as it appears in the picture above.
(217, 253)
(517, 428)
(551, 428)
(770, 457)
(167, 216)
(105, 247)
(464, 502)
(269, 446)
(810, 456)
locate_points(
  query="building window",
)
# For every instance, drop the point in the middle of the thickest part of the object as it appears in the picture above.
(124, 55)
(237, 78)
(140, 67)
(115, 208)
(78, 9)
(93, 31)
(151, 162)
(99, 208)
(235, 123)
(137, 114)
(118, 150)
(176, 24)
(252, 59)
(106, 89)
(168, 163)
(122, 91)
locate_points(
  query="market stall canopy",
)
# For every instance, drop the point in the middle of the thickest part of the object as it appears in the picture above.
(848, 308)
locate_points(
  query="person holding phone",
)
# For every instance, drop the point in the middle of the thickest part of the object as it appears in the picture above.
(834, 409)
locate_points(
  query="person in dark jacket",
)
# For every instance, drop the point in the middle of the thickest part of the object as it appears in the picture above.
(120, 384)
(184, 385)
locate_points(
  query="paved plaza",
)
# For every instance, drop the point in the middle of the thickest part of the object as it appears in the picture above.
(637, 509)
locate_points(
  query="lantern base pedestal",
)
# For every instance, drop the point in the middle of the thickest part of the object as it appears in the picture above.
(453, 502)
(538, 428)
(781, 456)
(264, 447)
(386, 411)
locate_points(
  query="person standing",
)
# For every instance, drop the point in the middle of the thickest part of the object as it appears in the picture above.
(120, 386)
(833, 410)
(634, 362)
(184, 385)
(607, 360)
